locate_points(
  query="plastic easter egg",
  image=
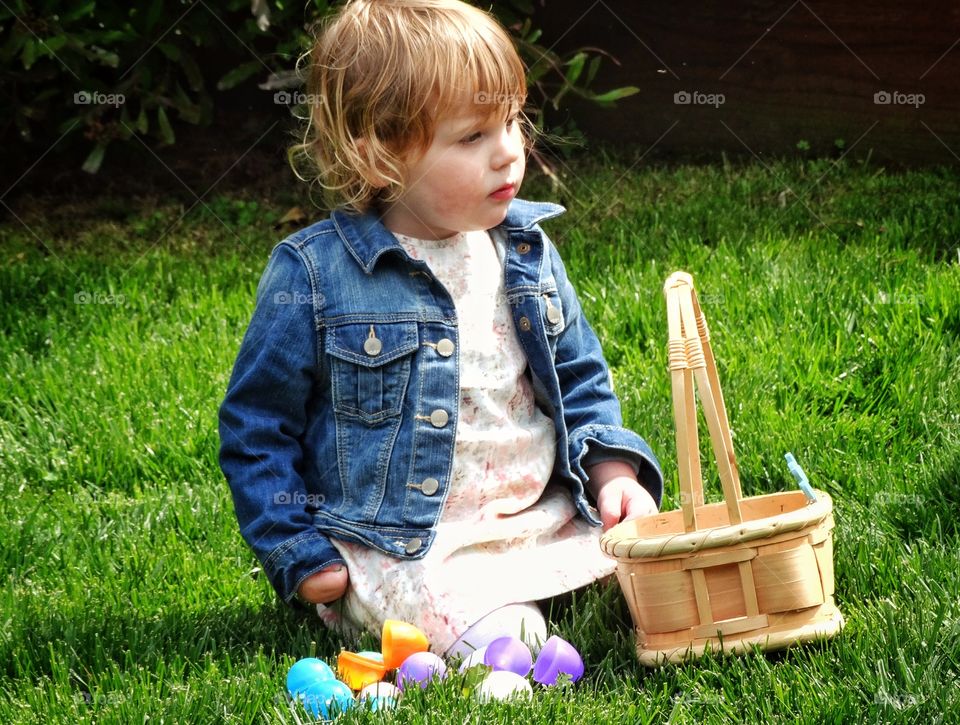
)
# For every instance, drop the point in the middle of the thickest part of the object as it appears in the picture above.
(379, 689)
(379, 696)
(557, 657)
(328, 699)
(420, 668)
(359, 671)
(475, 658)
(503, 685)
(509, 654)
(399, 641)
(380, 704)
(306, 673)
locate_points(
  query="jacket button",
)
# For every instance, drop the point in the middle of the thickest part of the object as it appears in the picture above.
(523, 248)
(445, 347)
(372, 346)
(430, 486)
(553, 315)
(439, 418)
(525, 324)
(413, 546)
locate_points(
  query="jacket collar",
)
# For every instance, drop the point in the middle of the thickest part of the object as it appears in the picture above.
(524, 214)
(366, 238)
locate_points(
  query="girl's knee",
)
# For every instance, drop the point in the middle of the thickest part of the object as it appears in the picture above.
(326, 585)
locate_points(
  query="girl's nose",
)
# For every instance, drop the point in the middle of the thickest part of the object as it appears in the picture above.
(509, 147)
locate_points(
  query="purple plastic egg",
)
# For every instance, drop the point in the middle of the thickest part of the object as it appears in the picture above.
(508, 654)
(420, 668)
(557, 657)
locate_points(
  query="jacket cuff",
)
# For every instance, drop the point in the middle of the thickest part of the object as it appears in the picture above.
(296, 559)
(595, 443)
(596, 455)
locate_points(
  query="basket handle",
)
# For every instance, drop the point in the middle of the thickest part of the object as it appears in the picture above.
(692, 363)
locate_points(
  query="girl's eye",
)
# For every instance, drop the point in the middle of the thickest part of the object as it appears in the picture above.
(476, 136)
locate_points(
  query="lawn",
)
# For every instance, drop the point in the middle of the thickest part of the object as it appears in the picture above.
(833, 295)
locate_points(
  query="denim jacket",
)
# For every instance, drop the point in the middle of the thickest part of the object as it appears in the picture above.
(340, 415)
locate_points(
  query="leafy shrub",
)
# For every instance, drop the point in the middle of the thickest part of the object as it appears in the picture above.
(99, 74)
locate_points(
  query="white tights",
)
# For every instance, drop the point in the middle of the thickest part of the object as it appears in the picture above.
(523, 620)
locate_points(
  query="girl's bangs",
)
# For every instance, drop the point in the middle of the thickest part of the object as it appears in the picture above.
(484, 80)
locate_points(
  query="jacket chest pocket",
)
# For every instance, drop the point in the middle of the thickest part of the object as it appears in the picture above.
(370, 368)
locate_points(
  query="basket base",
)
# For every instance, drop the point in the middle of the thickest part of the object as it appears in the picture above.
(783, 630)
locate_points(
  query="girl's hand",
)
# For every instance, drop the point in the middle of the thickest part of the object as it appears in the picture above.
(620, 497)
(325, 585)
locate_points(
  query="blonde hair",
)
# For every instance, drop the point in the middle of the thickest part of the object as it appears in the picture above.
(381, 74)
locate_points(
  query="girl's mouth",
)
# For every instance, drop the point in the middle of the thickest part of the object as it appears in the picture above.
(505, 192)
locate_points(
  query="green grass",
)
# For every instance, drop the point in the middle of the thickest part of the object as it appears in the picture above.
(835, 315)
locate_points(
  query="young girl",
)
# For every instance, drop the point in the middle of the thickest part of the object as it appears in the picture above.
(419, 411)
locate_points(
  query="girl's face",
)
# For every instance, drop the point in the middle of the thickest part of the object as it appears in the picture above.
(458, 184)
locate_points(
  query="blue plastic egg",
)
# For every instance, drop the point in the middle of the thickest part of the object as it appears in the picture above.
(328, 699)
(304, 675)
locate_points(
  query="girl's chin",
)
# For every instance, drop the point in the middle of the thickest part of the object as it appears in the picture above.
(497, 216)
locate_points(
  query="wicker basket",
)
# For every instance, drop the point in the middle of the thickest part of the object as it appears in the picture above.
(723, 576)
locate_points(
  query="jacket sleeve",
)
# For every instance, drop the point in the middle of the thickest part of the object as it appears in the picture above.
(262, 419)
(591, 411)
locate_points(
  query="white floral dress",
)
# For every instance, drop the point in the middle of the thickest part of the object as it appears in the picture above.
(504, 536)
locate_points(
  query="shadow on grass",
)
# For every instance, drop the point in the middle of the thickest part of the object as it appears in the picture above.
(932, 512)
(90, 644)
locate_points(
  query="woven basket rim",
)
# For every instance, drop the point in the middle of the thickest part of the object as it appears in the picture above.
(626, 548)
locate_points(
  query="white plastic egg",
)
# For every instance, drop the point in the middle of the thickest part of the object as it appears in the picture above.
(503, 685)
(379, 689)
(475, 658)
